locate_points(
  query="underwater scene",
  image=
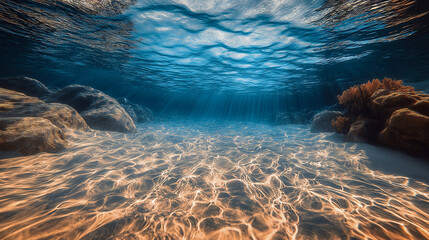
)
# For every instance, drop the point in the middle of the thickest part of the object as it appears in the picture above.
(214, 119)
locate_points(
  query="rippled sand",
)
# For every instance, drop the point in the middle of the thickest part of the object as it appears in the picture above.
(208, 180)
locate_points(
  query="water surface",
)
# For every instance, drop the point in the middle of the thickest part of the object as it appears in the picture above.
(215, 73)
(182, 55)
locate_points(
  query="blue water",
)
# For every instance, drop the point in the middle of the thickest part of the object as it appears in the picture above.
(211, 165)
(236, 59)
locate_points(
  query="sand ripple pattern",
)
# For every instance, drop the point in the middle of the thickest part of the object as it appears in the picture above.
(208, 180)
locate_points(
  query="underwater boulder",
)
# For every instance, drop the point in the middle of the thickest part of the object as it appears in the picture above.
(137, 112)
(322, 122)
(407, 130)
(365, 131)
(400, 112)
(29, 125)
(99, 110)
(18, 105)
(30, 135)
(26, 85)
(421, 106)
(384, 102)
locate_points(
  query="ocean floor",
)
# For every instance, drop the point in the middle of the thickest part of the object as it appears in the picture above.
(213, 179)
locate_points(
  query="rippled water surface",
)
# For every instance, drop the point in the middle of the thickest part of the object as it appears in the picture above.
(185, 55)
(217, 45)
(202, 180)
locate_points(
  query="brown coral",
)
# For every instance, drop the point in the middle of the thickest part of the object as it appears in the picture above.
(357, 98)
(361, 94)
(341, 124)
(387, 113)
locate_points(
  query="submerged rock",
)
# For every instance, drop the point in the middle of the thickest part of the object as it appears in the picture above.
(137, 113)
(322, 122)
(30, 135)
(407, 130)
(26, 85)
(19, 105)
(384, 102)
(365, 131)
(387, 113)
(29, 125)
(99, 110)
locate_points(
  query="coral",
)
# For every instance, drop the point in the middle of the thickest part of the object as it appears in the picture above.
(386, 113)
(341, 124)
(357, 98)
(362, 93)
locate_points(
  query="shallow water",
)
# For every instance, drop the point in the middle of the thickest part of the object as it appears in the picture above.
(211, 179)
(206, 63)
(206, 56)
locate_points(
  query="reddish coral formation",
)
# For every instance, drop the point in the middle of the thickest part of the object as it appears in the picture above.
(357, 98)
(384, 103)
(341, 124)
(363, 93)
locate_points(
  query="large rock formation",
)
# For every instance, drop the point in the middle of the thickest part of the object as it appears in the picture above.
(30, 135)
(386, 113)
(26, 85)
(364, 131)
(15, 104)
(137, 113)
(384, 102)
(99, 110)
(407, 130)
(29, 125)
(407, 120)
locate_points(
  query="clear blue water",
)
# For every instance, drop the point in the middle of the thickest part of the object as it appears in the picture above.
(211, 165)
(238, 59)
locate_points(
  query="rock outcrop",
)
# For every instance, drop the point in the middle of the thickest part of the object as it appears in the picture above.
(30, 135)
(99, 110)
(18, 105)
(386, 102)
(407, 130)
(137, 113)
(364, 131)
(322, 122)
(386, 113)
(29, 125)
(26, 85)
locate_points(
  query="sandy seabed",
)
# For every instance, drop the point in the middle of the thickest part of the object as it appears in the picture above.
(210, 180)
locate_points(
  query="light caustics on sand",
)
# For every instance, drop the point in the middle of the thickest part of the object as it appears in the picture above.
(200, 180)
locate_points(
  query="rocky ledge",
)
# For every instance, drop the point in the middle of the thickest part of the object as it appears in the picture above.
(137, 113)
(29, 125)
(385, 113)
(99, 110)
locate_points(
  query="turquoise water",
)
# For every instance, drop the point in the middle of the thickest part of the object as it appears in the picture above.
(214, 163)
(241, 59)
